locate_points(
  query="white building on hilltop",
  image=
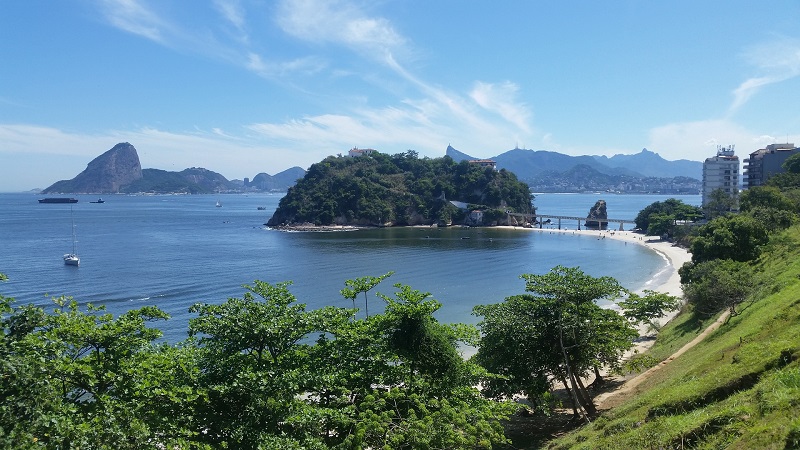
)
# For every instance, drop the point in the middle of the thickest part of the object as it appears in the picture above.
(355, 152)
(721, 172)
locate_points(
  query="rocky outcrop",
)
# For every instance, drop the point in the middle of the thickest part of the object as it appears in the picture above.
(597, 212)
(105, 174)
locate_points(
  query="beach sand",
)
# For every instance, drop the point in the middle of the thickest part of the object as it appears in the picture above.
(676, 257)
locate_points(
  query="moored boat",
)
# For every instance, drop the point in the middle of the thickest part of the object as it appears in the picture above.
(72, 259)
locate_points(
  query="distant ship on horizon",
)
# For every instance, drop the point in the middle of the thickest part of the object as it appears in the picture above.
(58, 200)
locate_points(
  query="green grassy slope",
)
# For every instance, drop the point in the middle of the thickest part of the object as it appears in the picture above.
(739, 388)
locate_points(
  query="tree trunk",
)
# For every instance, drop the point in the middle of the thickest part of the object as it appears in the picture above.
(575, 404)
(598, 379)
(567, 364)
(588, 401)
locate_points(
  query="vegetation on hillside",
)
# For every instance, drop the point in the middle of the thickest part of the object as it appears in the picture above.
(400, 189)
(740, 387)
(558, 333)
(162, 182)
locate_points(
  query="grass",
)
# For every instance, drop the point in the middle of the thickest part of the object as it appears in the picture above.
(739, 388)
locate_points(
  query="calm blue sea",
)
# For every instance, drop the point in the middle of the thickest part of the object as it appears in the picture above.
(176, 250)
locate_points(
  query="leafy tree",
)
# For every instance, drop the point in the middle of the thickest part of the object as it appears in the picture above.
(719, 203)
(663, 216)
(394, 379)
(362, 284)
(427, 397)
(738, 237)
(773, 219)
(765, 197)
(646, 309)
(715, 285)
(253, 364)
(558, 332)
(84, 379)
(792, 163)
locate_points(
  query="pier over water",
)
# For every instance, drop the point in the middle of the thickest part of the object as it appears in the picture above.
(542, 219)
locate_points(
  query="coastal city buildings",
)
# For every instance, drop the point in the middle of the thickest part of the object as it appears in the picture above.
(721, 172)
(766, 163)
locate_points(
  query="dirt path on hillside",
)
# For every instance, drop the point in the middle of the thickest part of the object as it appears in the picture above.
(613, 398)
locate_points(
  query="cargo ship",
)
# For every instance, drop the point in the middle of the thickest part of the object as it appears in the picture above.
(58, 200)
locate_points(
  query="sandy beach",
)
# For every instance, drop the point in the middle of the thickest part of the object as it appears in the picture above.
(674, 255)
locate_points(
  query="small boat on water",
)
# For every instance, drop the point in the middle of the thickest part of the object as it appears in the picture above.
(219, 204)
(99, 200)
(261, 208)
(72, 259)
(58, 200)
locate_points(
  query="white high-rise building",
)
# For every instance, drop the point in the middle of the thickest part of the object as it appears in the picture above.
(721, 172)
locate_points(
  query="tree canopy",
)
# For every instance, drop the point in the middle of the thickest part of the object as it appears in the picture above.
(559, 332)
(257, 372)
(738, 237)
(715, 285)
(659, 218)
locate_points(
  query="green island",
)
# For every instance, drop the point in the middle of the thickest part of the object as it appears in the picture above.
(263, 372)
(400, 190)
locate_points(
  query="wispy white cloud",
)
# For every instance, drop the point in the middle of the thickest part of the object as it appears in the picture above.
(776, 61)
(501, 99)
(268, 69)
(232, 11)
(338, 22)
(234, 14)
(135, 17)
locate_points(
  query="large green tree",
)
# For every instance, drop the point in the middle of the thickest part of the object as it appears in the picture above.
(660, 218)
(738, 237)
(765, 197)
(555, 332)
(719, 284)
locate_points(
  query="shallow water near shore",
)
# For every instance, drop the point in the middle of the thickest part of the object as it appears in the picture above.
(173, 251)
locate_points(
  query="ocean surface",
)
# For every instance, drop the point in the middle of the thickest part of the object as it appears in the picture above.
(176, 250)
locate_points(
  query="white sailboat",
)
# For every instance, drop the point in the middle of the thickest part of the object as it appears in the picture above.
(72, 259)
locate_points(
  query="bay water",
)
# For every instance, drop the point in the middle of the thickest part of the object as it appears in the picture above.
(176, 250)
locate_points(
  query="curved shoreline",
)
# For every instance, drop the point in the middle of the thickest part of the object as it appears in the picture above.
(674, 255)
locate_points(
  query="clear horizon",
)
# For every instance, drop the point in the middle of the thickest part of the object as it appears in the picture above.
(242, 87)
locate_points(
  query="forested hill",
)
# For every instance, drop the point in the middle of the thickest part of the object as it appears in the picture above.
(401, 189)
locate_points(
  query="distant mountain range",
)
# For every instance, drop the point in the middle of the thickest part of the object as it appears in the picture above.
(645, 171)
(119, 171)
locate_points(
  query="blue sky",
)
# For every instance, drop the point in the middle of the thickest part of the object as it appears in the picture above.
(248, 86)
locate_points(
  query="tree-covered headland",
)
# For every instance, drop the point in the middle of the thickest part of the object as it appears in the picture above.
(401, 189)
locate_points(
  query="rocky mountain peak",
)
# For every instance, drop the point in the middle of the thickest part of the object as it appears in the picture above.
(106, 173)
